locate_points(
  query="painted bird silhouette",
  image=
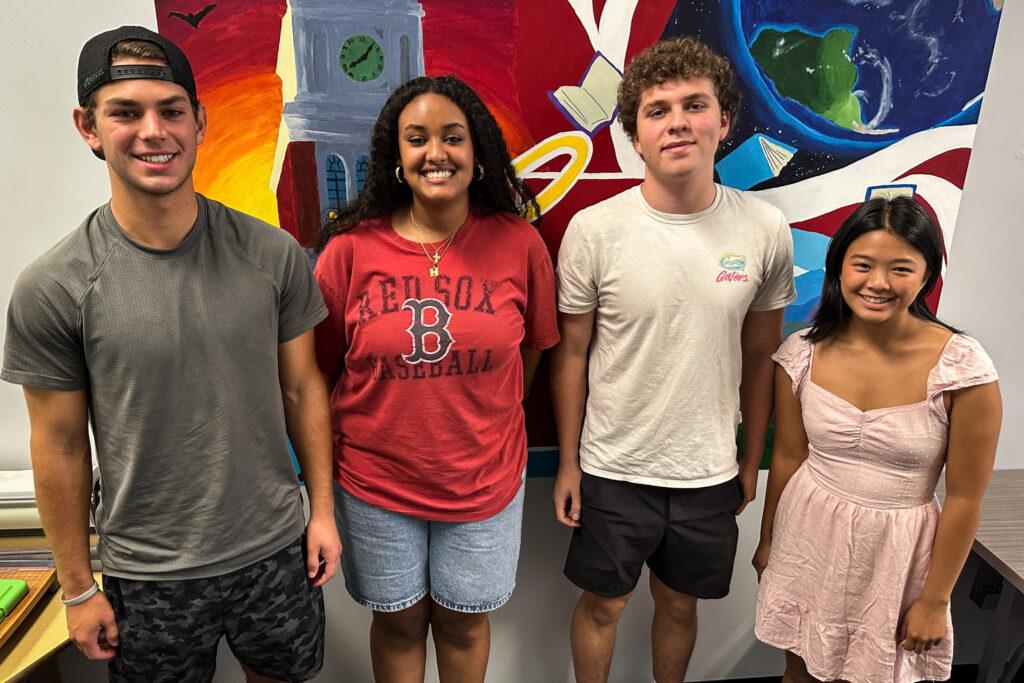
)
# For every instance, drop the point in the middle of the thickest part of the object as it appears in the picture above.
(193, 18)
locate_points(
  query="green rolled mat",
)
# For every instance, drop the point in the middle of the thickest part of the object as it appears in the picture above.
(11, 593)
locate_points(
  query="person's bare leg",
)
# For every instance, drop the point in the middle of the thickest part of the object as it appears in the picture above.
(462, 643)
(253, 677)
(398, 644)
(796, 670)
(673, 631)
(593, 635)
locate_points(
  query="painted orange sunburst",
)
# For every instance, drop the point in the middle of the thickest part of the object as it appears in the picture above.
(233, 51)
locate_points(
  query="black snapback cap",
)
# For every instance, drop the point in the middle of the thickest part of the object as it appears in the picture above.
(94, 67)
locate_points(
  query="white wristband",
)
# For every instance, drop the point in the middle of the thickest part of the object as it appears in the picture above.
(79, 599)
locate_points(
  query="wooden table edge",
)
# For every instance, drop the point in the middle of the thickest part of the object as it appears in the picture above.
(25, 655)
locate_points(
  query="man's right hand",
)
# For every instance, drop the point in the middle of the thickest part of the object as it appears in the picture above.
(92, 627)
(567, 495)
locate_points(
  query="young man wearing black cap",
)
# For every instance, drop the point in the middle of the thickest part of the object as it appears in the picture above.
(184, 331)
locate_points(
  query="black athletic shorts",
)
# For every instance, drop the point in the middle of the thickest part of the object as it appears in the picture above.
(271, 615)
(686, 536)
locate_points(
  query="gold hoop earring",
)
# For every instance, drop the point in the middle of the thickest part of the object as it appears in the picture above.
(478, 167)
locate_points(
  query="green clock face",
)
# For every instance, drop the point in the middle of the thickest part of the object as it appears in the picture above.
(362, 58)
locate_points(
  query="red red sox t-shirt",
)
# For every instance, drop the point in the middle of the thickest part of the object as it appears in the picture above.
(427, 408)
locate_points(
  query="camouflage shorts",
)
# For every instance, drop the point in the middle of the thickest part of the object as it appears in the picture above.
(169, 630)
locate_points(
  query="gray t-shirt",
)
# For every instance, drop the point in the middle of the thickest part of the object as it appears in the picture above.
(178, 351)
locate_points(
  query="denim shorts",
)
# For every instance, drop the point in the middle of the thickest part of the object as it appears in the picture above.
(391, 561)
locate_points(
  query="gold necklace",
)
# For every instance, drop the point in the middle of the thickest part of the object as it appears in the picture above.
(439, 251)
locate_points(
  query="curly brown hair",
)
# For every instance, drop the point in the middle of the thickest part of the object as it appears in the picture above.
(673, 59)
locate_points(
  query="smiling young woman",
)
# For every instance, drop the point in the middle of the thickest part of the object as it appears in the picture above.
(440, 298)
(856, 559)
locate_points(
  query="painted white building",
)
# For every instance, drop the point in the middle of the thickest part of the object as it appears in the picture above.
(349, 56)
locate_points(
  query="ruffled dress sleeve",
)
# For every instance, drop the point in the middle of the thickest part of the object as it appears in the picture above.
(795, 358)
(963, 364)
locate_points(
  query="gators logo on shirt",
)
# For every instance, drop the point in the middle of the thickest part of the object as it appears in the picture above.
(733, 262)
(732, 266)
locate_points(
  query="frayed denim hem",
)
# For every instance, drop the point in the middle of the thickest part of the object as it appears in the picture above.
(474, 609)
(385, 607)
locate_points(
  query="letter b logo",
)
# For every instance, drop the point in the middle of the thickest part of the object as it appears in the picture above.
(419, 331)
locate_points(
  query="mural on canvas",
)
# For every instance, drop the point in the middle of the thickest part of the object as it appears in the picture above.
(841, 99)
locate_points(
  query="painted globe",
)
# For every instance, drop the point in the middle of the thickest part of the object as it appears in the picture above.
(868, 70)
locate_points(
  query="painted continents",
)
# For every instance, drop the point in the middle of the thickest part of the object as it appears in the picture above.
(870, 70)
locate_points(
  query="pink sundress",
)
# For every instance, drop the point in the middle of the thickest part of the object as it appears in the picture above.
(853, 532)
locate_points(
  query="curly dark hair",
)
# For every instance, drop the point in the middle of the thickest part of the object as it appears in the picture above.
(901, 216)
(669, 60)
(499, 191)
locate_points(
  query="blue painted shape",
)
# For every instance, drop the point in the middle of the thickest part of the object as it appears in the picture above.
(747, 165)
(792, 328)
(808, 292)
(809, 249)
(801, 313)
(542, 462)
(808, 285)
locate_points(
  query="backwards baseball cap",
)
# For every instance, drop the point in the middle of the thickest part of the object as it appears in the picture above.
(94, 67)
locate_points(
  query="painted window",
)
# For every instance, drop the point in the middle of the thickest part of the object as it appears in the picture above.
(337, 196)
(362, 165)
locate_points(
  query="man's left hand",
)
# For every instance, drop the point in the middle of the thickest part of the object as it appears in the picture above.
(323, 549)
(748, 478)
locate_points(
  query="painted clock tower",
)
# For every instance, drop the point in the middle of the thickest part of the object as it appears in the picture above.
(349, 56)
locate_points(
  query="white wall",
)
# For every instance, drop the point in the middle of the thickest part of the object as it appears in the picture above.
(50, 182)
(48, 177)
(982, 290)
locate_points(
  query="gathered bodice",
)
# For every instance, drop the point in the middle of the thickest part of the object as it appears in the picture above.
(886, 457)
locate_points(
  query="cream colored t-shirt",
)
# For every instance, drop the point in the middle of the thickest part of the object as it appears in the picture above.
(670, 293)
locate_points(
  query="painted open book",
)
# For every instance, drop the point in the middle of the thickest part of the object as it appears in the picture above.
(756, 160)
(591, 105)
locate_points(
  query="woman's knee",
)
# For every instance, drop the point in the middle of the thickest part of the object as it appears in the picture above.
(458, 628)
(408, 625)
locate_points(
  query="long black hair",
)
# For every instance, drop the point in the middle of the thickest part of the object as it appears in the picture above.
(499, 191)
(901, 216)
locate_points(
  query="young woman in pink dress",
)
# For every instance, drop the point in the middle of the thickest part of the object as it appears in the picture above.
(857, 559)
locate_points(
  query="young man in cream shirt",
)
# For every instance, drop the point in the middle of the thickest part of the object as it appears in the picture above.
(671, 299)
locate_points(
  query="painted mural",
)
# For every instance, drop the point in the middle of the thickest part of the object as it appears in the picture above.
(842, 99)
